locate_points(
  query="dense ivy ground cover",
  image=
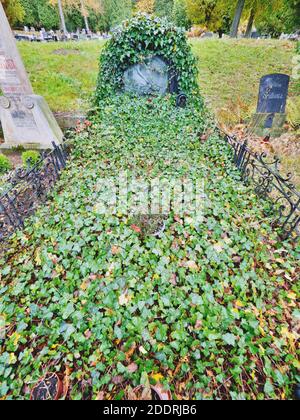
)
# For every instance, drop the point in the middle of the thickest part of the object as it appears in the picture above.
(209, 310)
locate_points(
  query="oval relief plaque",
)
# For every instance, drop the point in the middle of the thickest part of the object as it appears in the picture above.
(28, 102)
(4, 102)
(149, 77)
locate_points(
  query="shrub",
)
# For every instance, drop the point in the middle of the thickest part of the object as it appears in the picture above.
(139, 38)
(30, 157)
(5, 164)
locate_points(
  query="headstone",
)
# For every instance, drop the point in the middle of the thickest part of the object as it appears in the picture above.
(273, 93)
(255, 35)
(26, 118)
(208, 35)
(270, 115)
(149, 77)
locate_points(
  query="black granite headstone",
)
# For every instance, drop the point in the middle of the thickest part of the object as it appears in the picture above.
(273, 94)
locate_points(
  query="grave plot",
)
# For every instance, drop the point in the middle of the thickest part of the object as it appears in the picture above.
(103, 292)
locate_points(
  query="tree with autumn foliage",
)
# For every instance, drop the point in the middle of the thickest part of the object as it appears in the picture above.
(85, 7)
(281, 12)
(146, 6)
(14, 10)
(212, 14)
(275, 16)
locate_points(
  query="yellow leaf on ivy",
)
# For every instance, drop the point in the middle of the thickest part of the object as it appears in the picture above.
(84, 286)
(16, 337)
(292, 296)
(38, 257)
(157, 377)
(12, 359)
(54, 346)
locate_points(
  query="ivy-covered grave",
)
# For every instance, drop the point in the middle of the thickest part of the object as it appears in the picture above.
(146, 43)
(207, 310)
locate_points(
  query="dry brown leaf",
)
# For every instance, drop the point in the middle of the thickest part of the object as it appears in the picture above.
(100, 396)
(115, 250)
(117, 379)
(133, 367)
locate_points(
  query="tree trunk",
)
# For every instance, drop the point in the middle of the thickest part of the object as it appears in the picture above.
(62, 17)
(86, 22)
(250, 23)
(84, 14)
(237, 18)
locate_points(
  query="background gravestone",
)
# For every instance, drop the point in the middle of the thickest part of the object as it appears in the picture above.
(270, 115)
(26, 118)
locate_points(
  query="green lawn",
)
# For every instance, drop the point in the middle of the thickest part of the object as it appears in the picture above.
(229, 74)
(64, 73)
(229, 79)
(230, 71)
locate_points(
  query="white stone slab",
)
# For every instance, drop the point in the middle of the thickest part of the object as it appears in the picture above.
(26, 119)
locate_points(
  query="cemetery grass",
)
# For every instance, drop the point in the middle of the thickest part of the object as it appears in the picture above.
(208, 310)
(229, 73)
(64, 73)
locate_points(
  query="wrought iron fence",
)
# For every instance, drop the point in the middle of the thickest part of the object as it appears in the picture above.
(270, 184)
(27, 188)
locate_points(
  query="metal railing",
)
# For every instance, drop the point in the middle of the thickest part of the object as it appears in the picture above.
(27, 188)
(270, 184)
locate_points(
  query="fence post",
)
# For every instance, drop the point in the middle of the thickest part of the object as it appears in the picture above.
(241, 155)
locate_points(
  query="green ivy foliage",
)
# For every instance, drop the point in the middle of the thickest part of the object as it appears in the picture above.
(208, 309)
(30, 157)
(5, 164)
(139, 38)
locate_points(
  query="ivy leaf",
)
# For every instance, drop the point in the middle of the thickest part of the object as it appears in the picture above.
(229, 339)
(268, 388)
(67, 330)
(68, 311)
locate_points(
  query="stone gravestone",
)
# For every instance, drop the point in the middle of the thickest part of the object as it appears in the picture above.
(26, 118)
(270, 115)
(207, 35)
(149, 77)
